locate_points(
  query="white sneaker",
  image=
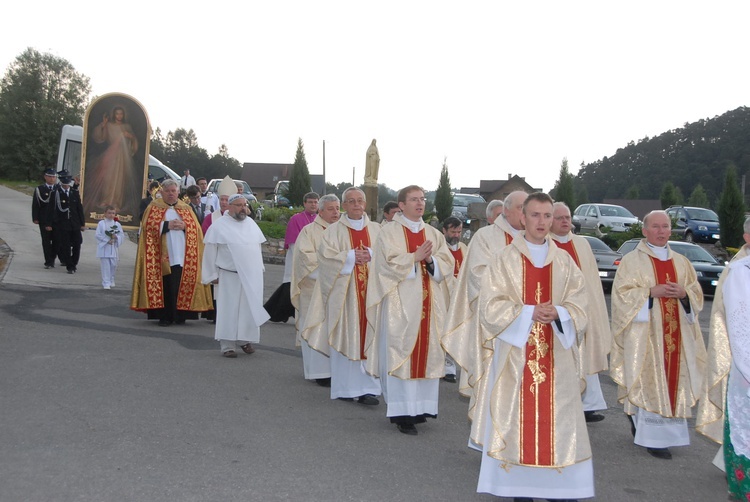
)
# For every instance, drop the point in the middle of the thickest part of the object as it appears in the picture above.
(106, 287)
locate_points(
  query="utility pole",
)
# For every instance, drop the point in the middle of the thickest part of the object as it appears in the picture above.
(324, 167)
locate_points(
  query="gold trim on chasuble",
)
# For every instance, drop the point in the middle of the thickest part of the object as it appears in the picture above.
(670, 319)
(419, 352)
(537, 384)
(153, 259)
(360, 240)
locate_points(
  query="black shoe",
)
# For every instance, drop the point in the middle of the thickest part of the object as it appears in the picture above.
(347, 399)
(323, 382)
(47, 265)
(592, 416)
(368, 399)
(165, 323)
(632, 424)
(408, 429)
(450, 378)
(662, 453)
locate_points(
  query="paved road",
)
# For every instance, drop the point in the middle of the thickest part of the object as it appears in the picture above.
(99, 404)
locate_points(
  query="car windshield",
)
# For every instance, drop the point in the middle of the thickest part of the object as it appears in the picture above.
(598, 244)
(697, 213)
(628, 246)
(615, 211)
(464, 200)
(693, 253)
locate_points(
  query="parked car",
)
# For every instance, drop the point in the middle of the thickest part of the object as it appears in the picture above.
(213, 186)
(694, 224)
(607, 260)
(461, 203)
(706, 266)
(592, 217)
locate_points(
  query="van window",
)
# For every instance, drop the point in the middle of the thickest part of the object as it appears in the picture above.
(72, 157)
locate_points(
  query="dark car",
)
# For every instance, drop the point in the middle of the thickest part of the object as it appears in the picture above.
(706, 266)
(461, 203)
(606, 260)
(694, 224)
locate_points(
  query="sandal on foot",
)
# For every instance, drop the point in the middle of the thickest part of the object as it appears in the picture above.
(229, 353)
(247, 348)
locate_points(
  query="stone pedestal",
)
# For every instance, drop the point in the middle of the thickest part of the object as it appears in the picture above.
(371, 194)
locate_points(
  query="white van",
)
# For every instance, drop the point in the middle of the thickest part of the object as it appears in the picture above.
(69, 156)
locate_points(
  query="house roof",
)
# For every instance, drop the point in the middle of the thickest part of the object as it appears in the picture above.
(265, 175)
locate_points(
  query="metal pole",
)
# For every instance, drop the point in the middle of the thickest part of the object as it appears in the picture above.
(324, 167)
(353, 168)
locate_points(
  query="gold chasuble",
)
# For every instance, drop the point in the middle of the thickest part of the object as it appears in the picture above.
(419, 353)
(658, 362)
(405, 304)
(527, 407)
(152, 262)
(670, 320)
(537, 384)
(360, 239)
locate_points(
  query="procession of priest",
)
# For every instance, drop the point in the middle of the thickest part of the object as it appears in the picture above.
(388, 310)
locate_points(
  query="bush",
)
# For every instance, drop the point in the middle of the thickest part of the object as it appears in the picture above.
(616, 239)
(278, 214)
(272, 230)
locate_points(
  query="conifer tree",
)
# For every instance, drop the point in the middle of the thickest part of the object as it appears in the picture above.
(443, 195)
(731, 211)
(299, 181)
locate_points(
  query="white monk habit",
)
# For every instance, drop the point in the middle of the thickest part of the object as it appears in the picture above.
(403, 344)
(337, 322)
(232, 254)
(462, 323)
(529, 416)
(315, 364)
(658, 354)
(598, 338)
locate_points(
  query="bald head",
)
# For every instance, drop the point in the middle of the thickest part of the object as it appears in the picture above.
(513, 208)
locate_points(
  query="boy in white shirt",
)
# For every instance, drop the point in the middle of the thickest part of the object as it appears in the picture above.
(108, 239)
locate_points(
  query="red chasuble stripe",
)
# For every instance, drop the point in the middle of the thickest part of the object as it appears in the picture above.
(419, 352)
(360, 239)
(508, 239)
(670, 319)
(458, 256)
(570, 248)
(537, 384)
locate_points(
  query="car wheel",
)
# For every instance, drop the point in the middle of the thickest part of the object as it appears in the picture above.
(689, 237)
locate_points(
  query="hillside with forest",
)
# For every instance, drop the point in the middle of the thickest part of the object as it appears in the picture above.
(698, 153)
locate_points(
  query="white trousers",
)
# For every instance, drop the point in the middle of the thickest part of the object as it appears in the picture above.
(109, 267)
(349, 379)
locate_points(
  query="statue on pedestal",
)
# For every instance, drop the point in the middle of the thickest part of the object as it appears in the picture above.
(372, 164)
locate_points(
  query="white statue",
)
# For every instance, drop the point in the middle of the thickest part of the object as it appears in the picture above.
(372, 164)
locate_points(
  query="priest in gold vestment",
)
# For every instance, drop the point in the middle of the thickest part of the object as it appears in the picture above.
(167, 279)
(598, 338)
(658, 355)
(462, 324)
(528, 419)
(337, 322)
(406, 301)
(315, 364)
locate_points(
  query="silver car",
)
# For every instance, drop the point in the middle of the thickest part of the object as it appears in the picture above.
(592, 217)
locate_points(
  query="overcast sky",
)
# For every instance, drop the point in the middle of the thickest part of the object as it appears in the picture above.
(495, 87)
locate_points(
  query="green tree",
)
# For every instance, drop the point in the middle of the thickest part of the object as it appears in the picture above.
(633, 193)
(183, 152)
(564, 190)
(39, 93)
(731, 211)
(699, 197)
(669, 195)
(582, 195)
(443, 195)
(299, 181)
(222, 164)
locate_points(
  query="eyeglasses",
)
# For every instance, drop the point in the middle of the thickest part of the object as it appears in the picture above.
(417, 199)
(360, 202)
(562, 218)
